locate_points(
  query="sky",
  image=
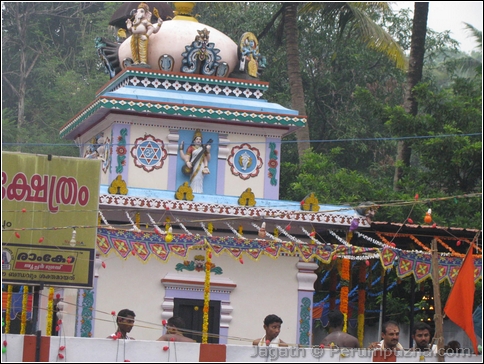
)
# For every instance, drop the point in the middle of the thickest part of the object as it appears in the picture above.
(451, 15)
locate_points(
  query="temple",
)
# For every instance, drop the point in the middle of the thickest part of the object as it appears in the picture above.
(190, 155)
(159, 201)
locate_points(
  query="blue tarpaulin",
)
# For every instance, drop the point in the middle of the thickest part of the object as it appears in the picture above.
(477, 318)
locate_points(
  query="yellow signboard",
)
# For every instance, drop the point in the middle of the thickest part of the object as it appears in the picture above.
(49, 219)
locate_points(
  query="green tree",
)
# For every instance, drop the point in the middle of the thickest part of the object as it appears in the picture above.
(352, 20)
(20, 26)
(465, 65)
(414, 75)
(50, 68)
(362, 87)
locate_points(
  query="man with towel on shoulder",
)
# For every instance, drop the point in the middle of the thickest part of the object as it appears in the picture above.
(272, 326)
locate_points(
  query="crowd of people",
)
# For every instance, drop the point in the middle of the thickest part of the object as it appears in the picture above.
(336, 338)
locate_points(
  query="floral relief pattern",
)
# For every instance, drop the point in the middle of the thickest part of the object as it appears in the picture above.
(148, 153)
(245, 161)
(121, 151)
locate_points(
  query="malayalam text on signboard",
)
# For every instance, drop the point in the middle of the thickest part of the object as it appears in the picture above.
(49, 212)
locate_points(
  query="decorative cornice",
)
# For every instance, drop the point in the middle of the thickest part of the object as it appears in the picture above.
(196, 283)
(331, 218)
(158, 108)
(306, 276)
(156, 79)
(145, 245)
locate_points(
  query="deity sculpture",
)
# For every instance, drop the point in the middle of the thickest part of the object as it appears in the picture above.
(251, 61)
(196, 160)
(141, 29)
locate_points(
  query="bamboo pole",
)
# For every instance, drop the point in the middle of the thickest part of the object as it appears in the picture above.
(206, 293)
(438, 318)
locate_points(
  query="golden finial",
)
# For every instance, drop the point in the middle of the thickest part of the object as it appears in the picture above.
(183, 11)
(121, 33)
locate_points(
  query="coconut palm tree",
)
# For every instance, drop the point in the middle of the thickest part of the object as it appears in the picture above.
(471, 65)
(351, 19)
(414, 76)
(477, 34)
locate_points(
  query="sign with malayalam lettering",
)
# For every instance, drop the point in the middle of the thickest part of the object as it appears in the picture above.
(49, 219)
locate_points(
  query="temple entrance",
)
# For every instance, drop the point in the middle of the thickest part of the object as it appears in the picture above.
(191, 311)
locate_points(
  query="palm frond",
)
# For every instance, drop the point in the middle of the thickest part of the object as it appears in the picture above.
(477, 34)
(346, 14)
(377, 38)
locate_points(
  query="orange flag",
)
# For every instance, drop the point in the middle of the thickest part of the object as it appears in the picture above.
(460, 303)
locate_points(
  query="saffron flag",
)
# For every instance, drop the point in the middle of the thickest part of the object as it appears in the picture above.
(459, 306)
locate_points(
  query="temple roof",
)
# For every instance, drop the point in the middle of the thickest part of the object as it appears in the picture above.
(160, 93)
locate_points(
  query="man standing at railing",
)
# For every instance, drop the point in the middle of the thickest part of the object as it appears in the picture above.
(125, 322)
(336, 337)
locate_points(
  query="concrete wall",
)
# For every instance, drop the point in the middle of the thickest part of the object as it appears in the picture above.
(266, 286)
(21, 348)
(262, 287)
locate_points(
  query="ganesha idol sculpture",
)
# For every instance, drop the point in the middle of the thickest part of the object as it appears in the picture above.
(176, 45)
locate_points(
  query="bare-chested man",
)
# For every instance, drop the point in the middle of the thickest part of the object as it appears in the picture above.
(336, 336)
(174, 331)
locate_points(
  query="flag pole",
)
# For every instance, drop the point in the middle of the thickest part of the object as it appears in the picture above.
(459, 305)
(438, 319)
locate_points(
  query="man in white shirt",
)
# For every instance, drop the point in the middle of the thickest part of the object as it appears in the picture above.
(272, 326)
(421, 333)
(390, 334)
(125, 322)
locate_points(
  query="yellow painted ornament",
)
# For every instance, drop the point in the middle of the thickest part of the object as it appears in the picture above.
(169, 235)
(137, 219)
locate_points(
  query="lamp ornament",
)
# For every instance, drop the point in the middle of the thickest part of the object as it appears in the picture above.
(73, 241)
(428, 217)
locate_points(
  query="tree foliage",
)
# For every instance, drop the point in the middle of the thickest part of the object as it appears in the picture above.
(353, 98)
(50, 69)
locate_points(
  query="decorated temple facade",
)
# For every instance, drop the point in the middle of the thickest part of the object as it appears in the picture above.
(190, 219)
(189, 204)
(191, 154)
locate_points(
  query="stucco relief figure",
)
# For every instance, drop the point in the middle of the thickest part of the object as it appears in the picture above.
(245, 161)
(196, 159)
(250, 60)
(97, 148)
(141, 29)
(201, 56)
